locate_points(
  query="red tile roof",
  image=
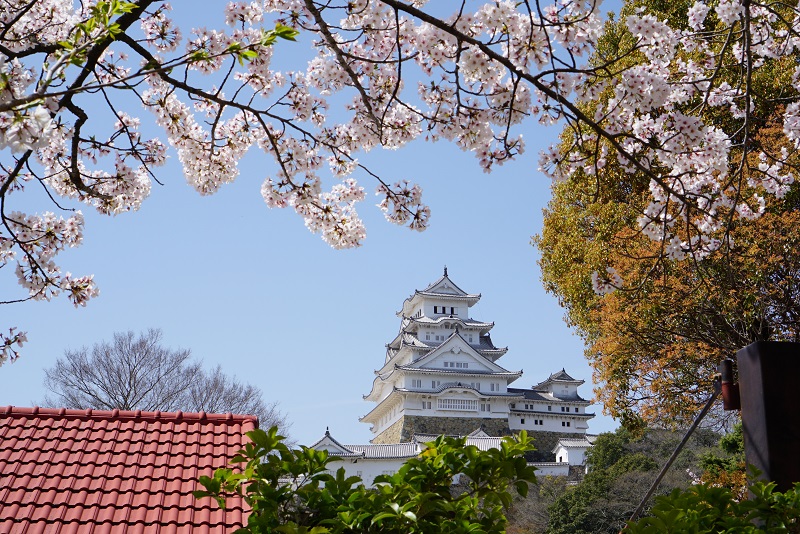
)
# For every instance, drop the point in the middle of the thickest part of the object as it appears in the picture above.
(91, 471)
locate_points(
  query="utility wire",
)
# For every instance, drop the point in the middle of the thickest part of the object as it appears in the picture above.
(677, 451)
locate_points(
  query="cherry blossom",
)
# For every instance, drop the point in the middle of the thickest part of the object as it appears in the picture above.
(607, 282)
(403, 72)
(10, 344)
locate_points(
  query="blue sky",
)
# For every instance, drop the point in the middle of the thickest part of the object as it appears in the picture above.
(251, 289)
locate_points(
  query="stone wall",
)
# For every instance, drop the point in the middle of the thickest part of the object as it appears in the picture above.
(406, 427)
(453, 426)
(392, 434)
(576, 473)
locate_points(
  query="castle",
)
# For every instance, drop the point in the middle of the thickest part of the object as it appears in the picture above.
(441, 376)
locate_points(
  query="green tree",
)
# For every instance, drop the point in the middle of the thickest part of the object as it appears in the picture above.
(655, 344)
(291, 490)
(708, 509)
(725, 466)
(622, 467)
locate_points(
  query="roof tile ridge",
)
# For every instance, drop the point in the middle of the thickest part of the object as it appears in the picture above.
(38, 461)
(104, 474)
(134, 476)
(337, 442)
(197, 448)
(160, 493)
(56, 438)
(91, 413)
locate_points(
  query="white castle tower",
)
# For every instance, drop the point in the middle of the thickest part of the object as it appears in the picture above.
(441, 376)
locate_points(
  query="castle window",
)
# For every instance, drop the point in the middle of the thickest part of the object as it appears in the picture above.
(522, 421)
(457, 404)
(576, 410)
(428, 336)
(470, 339)
(466, 365)
(549, 408)
(416, 383)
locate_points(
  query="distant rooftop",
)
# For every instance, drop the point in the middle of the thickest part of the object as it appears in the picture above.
(115, 471)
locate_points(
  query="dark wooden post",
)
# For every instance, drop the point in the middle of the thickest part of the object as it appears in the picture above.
(769, 386)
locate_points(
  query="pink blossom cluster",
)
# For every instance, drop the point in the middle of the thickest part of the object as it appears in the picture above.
(402, 203)
(606, 282)
(403, 73)
(10, 344)
(701, 174)
(38, 239)
(29, 24)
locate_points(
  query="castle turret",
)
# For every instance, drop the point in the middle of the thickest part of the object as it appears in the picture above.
(441, 373)
(441, 376)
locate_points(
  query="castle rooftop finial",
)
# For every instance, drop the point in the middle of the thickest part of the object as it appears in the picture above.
(445, 270)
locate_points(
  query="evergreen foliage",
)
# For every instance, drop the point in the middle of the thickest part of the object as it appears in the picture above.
(292, 491)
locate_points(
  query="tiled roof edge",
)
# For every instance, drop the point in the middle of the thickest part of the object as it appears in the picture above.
(64, 413)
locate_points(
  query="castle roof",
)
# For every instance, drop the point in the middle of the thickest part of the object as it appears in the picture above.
(485, 347)
(443, 289)
(459, 372)
(388, 450)
(458, 385)
(455, 342)
(416, 322)
(546, 396)
(583, 442)
(334, 448)
(366, 452)
(558, 377)
(483, 443)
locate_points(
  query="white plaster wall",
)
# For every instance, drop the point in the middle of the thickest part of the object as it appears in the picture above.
(473, 365)
(551, 469)
(368, 468)
(550, 423)
(571, 455)
(461, 308)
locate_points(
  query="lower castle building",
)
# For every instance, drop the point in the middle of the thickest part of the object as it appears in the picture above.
(440, 376)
